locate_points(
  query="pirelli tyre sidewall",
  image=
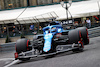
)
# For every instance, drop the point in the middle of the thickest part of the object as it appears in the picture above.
(73, 36)
(84, 33)
(22, 45)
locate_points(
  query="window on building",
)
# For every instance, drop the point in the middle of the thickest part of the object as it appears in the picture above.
(9, 4)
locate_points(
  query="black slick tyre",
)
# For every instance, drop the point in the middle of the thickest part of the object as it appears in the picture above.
(84, 33)
(73, 36)
(22, 45)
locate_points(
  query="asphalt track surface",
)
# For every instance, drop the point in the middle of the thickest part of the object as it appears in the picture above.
(90, 57)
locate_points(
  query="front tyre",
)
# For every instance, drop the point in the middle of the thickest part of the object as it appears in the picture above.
(22, 45)
(84, 33)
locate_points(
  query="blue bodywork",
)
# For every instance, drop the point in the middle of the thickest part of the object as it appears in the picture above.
(48, 34)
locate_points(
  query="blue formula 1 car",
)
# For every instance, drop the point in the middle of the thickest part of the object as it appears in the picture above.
(53, 40)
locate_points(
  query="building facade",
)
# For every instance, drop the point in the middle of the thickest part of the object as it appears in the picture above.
(12, 4)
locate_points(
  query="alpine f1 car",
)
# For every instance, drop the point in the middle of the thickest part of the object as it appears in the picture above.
(51, 42)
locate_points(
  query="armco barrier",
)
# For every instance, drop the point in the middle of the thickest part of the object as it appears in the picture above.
(93, 32)
(7, 47)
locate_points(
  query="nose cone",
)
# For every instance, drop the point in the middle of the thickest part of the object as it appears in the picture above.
(47, 43)
(47, 46)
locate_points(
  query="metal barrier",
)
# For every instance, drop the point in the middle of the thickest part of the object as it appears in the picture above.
(7, 47)
(93, 32)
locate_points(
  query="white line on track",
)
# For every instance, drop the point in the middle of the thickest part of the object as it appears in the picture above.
(14, 62)
(5, 59)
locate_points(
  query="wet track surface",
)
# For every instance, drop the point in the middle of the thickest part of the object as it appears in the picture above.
(90, 57)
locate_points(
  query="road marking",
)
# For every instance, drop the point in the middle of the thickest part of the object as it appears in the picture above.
(5, 59)
(14, 62)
